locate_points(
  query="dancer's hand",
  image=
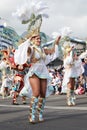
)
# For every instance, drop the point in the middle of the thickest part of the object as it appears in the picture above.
(57, 40)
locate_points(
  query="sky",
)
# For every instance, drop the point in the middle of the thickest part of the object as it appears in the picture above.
(62, 13)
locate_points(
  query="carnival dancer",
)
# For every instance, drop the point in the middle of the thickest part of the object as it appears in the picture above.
(18, 82)
(6, 86)
(38, 76)
(72, 69)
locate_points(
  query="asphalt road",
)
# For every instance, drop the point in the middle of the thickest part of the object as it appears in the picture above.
(57, 115)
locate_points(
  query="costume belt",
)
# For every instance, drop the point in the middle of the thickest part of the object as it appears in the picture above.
(20, 75)
(34, 60)
(69, 66)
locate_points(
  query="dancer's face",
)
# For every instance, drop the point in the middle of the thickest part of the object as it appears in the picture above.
(37, 40)
(85, 60)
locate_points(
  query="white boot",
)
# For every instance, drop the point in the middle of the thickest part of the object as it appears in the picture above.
(70, 97)
(69, 102)
(73, 97)
(33, 104)
(41, 104)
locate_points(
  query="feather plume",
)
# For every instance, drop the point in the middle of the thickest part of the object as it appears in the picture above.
(25, 12)
(66, 31)
(55, 35)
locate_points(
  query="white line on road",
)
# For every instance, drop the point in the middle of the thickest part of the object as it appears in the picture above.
(47, 107)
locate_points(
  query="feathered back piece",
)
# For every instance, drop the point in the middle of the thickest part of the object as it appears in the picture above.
(34, 26)
(32, 13)
(67, 48)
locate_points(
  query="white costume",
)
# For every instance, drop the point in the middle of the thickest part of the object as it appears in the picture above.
(72, 68)
(39, 68)
(32, 14)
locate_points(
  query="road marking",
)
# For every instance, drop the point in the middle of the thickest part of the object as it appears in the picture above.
(66, 108)
(48, 107)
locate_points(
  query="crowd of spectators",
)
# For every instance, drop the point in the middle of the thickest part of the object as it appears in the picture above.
(7, 74)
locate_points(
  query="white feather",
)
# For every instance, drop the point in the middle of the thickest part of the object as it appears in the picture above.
(66, 31)
(25, 11)
(55, 35)
(44, 14)
(22, 13)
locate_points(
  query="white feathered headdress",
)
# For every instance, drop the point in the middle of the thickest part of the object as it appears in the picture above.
(32, 13)
(25, 12)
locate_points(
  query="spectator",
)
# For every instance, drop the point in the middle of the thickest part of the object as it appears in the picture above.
(85, 73)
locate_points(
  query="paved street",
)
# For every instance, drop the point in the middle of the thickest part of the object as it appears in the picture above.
(57, 115)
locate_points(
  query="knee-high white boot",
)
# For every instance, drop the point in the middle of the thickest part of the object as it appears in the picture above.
(33, 104)
(41, 104)
(73, 98)
(70, 97)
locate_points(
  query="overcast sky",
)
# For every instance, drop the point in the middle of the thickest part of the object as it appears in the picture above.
(70, 13)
